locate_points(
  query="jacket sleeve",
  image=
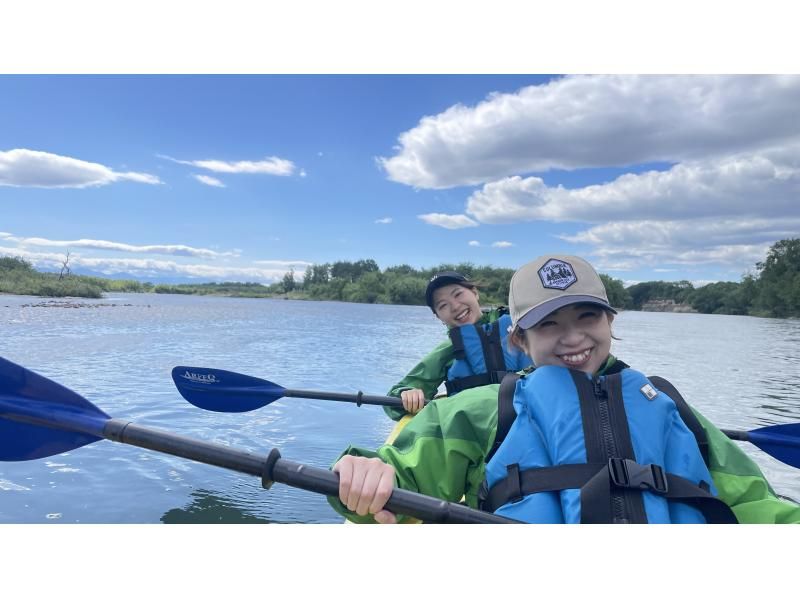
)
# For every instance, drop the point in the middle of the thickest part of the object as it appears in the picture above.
(442, 449)
(740, 483)
(427, 375)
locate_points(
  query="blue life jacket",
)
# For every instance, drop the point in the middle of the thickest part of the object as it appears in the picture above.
(607, 449)
(482, 355)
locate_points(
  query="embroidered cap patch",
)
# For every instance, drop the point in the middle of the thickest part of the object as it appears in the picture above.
(556, 274)
(649, 392)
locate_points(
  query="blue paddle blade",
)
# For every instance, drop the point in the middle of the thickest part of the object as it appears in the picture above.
(40, 418)
(220, 390)
(781, 441)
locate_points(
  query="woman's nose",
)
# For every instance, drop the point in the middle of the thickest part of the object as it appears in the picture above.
(572, 336)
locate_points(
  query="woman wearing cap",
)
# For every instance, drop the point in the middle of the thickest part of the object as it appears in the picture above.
(592, 441)
(475, 354)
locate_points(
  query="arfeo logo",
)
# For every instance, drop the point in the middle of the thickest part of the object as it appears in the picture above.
(200, 378)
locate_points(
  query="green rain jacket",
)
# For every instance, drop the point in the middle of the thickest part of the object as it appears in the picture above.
(442, 449)
(429, 373)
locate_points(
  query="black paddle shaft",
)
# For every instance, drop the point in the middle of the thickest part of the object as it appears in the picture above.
(273, 468)
(359, 398)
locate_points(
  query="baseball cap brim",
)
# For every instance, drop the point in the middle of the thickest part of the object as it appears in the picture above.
(538, 313)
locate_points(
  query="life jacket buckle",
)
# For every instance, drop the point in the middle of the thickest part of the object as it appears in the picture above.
(626, 473)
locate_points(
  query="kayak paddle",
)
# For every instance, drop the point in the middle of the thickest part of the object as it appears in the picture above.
(229, 392)
(40, 418)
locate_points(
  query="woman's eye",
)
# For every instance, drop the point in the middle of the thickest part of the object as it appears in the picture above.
(589, 314)
(546, 324)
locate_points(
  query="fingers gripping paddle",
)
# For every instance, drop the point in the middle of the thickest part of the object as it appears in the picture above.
(220, 390)
(40, 418)
(229, 392)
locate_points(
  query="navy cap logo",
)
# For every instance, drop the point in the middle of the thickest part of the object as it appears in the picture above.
(556, 274)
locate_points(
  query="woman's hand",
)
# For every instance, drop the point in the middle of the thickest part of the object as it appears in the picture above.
(365, 485)
(413, 399)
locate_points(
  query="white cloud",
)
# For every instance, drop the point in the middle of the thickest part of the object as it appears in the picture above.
(766, 184)
(270, 165)
(183, 250)
(597, 121)
(502, 244)
(286, 264)
(30, 168)
(451, 221)
(138, 268)
(734, 244)
(209, 180)
(386, 220)
(474, 244)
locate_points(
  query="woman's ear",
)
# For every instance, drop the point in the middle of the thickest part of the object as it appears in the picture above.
(517, 341)
(610, 317)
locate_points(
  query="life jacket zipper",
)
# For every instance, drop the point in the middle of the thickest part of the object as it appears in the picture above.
(610, 446)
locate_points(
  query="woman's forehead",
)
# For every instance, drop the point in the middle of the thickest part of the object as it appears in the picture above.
(446, 290)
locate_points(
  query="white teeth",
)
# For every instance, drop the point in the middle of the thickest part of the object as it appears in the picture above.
(462, 315)
(577, 357)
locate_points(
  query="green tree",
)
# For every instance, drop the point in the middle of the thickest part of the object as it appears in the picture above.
(778, 283)
(618, 296)
(288, 281)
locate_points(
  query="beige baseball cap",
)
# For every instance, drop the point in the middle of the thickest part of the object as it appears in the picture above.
(549, 283)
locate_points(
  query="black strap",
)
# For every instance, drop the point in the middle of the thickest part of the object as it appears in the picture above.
(458, 342)
(518, 484)
(592, 478)
(493, 356)
(505, 411)
(686, 413)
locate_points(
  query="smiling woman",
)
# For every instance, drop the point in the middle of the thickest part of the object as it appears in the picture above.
(476, 353)
(589, 440)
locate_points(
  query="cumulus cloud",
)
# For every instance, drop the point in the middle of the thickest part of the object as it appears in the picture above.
(502, 244)
(736, 244)
(31, 168)
(474, 244)
(209, 180)
(451, 221)
(597, 121)
(270, 165)
(182, 250)
(386, 220)
(765, 184)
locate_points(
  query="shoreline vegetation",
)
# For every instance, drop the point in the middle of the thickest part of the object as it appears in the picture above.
(772, 291)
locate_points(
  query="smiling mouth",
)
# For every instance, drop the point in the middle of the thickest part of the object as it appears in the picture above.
(463, 315)
(576, 359)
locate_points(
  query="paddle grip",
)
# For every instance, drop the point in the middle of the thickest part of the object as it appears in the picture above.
(416, 505)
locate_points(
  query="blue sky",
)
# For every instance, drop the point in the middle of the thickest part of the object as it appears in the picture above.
(212, 178)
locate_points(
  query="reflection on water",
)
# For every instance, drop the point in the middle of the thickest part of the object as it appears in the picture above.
(207, 507)
(741, 372)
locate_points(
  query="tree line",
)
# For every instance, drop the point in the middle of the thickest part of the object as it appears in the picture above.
(772, 290)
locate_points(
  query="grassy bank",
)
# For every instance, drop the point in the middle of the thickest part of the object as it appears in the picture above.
(772, 291)
(18, 277)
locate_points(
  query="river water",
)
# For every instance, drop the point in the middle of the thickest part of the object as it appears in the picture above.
(118, 352)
